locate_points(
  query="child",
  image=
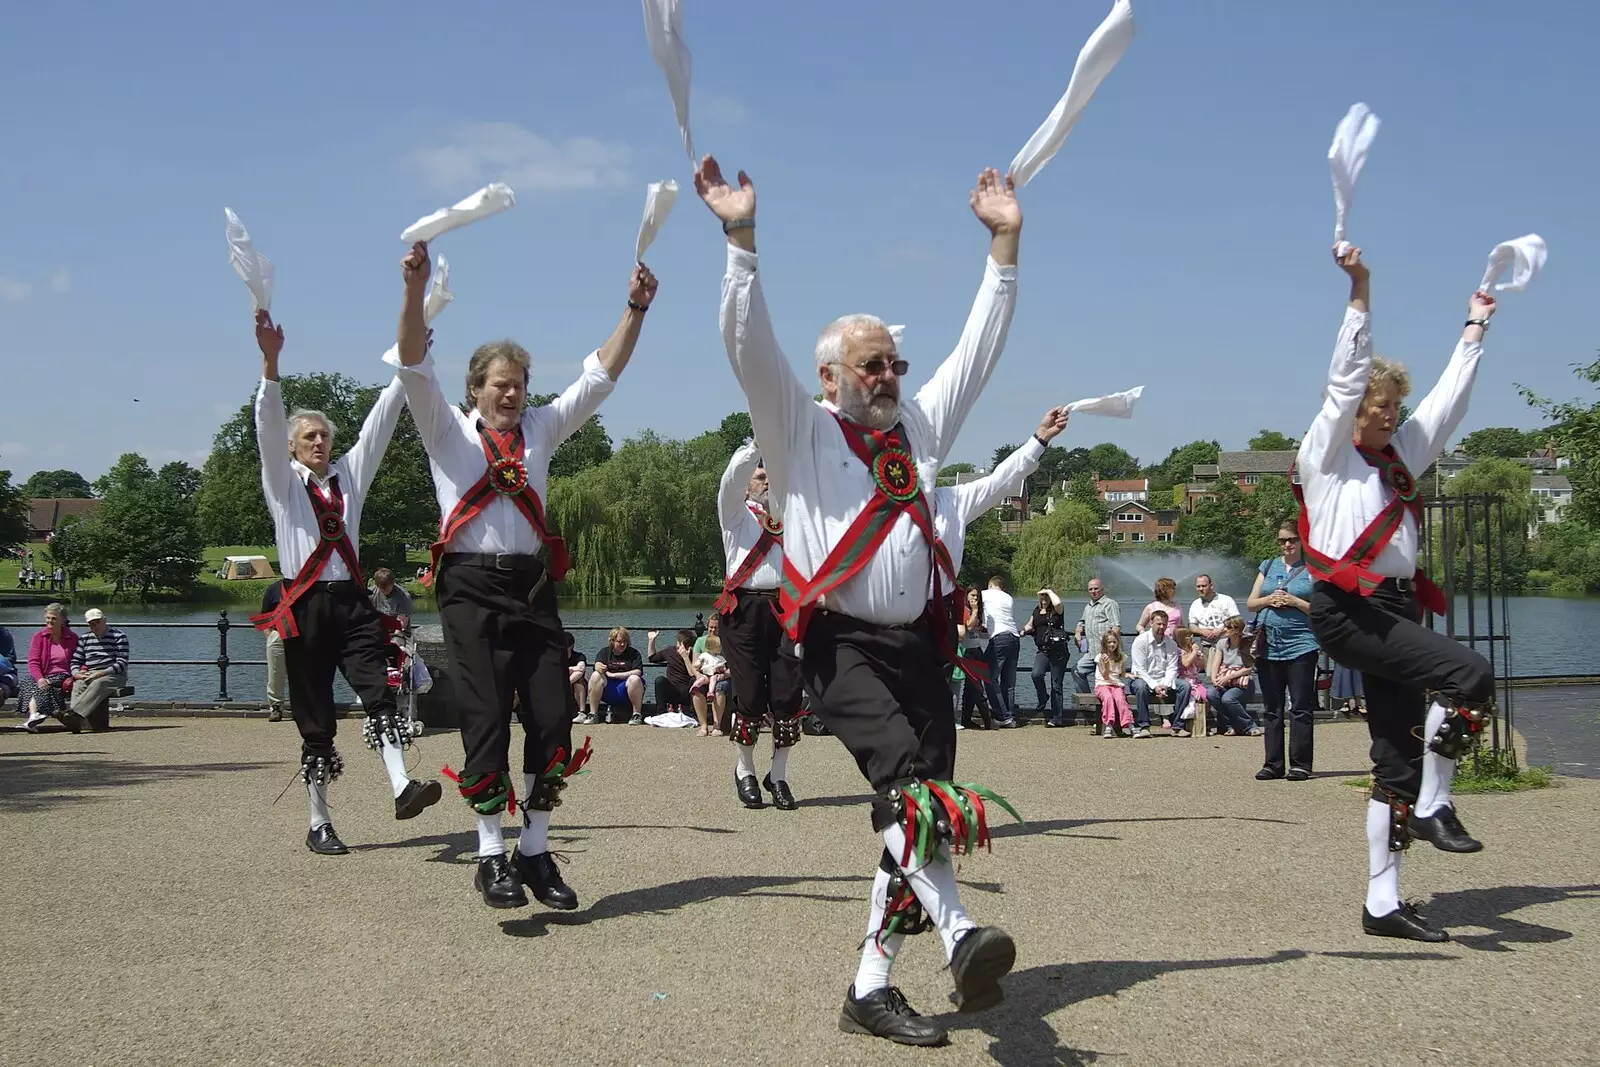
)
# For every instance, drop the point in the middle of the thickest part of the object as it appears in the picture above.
(1191, 658)
(1108, 685)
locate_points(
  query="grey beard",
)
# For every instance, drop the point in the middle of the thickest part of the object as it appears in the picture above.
(759, 499)
(879, 412)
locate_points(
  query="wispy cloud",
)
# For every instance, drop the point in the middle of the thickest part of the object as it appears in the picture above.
(14, 290)
(472, 153)
(60, 280)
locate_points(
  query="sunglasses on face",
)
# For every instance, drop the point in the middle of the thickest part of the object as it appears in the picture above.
(873, 368)
(1288, 540)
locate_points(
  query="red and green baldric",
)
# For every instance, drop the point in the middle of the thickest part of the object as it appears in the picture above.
(507, 475)
(329, 511)
(1353, 571)
(771, 538)
(896, 491)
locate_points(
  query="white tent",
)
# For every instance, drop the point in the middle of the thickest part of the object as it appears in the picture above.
(239, 567)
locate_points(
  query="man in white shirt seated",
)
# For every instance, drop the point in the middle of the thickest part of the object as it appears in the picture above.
(1154, 670)
(1005, 646)
(1210, 611)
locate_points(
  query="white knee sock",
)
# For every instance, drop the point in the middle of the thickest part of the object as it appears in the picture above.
(535, 832)
(747, 760)
(490, 843)
(318, 795)
(873, 973)
(1437, 770)
(935, 886)
(394, 761)
(780, 765)
(1383, 866)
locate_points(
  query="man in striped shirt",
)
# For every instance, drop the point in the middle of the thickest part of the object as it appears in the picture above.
(99, 669)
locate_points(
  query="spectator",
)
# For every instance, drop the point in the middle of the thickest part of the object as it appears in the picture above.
(1100, 617)
(1191, 660)
(1232, 674)
(618, 679)
(1347, 686)
(58, 579)
(713, 629)
(711, 686)
(1109, 686)
(577, 667)
(674, 686)
(390, 598)
(1282, 599)
(1209, 611)
(276, 669)
(99, 669)
(724, 686)
(50, 671)
(1052, 649)
(1166, 601)
(1005, 645)
(8, 645)
(975, 643)
(1155, 673)
(9, 684)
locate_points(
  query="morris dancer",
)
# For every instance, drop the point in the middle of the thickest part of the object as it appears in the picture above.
(848, 475)
(324, 616)
(1359, 519)
(766, 675)
(496, 595)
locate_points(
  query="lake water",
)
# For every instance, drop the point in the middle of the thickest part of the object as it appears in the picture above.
(1549, 636)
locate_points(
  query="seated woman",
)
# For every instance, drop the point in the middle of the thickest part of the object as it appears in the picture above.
(1191, 660)
(50, 672)
(1232, 673)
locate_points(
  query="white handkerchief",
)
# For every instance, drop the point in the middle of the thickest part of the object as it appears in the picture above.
(490, 200)
(658, 201)
(247, 263)
(896, 333)
(1525, 256)
(1346, 156)
(663, 28)
(1117, 405)
(1104, 48)
(439, 296)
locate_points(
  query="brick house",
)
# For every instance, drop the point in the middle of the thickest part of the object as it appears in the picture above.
(1121, 490)
(45, 515)
(1136, 522)
(1244, 469)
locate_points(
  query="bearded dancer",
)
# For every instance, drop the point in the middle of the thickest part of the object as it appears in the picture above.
(766, 675)
(1358, 528)
(496, 595)
(847, 476)
(324, 615)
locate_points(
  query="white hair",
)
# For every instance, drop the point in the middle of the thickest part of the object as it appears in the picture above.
(308, 415)
(830, 343)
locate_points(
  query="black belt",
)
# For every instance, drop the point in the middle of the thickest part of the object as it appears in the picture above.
(1399, 585)
(912, 625)
(494, 561)
(743, 589)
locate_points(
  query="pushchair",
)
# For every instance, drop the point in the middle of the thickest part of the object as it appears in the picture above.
(408, 675)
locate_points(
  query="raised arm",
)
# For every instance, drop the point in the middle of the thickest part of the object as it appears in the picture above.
(1421, 438)
(1347, 374)
(779, 405)
(272, 424)
(618, 349)
(736, 482)
(376, 431)
(976, 497)
(434, 415)
(948, 397)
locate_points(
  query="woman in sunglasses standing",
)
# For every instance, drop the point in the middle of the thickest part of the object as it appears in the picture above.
(1282, 598)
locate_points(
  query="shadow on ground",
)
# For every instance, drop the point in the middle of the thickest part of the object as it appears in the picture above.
(31, 782)
(463, 847)
(1490, 908)
(1054, 827)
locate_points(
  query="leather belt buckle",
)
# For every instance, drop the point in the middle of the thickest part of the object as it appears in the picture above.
(1404, 584)
(500, 559)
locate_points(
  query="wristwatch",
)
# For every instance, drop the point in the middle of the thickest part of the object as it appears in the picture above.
(1481, 323)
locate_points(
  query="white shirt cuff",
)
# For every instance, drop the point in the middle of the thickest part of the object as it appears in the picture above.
(740, 259)
(997, 272)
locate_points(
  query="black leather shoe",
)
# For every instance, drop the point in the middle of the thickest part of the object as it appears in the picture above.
(1298, 774)
(498, 885)
(885, 1013)
(1267, 774)
(72, 721)
(982, 957)
(749, 792)
(1444, 831)
(540, 874)
(782, 798)
(416, 798)
(324, 842)
(1403, 922)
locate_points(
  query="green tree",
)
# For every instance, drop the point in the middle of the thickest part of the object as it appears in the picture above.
(948, 473)
(57, 485)
(1567, 556)
(1053, 550)
(588, 448)
(1083, 492)
(1272, 503)
(1272, 441)
(1505, 442)
(1112, 461)
(1577, 433)
(1499, 541)
(1180, 463)
(987, 550)
(735, 430)
(145, 535)
(15, 526)
(181, 478)
(1219, 525)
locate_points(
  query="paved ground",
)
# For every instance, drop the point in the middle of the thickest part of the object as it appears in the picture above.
(1169, 910)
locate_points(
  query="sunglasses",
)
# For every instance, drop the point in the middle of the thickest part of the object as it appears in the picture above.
(1288, 540)
(873, 368)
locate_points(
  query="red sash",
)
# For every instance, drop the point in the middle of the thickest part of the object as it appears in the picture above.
(1353, 571)
(896, 493)
(330, 523)
(771, 538)
(506, 475)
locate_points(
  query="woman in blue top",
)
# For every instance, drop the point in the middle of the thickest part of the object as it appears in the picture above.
(1282, 596)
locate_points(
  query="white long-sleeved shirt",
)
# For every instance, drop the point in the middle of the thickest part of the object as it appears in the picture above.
(1156, 663)
(284, 478)
(1343, 492)
(955, 506)
(455, 452)
(819, 484)
(741, 521)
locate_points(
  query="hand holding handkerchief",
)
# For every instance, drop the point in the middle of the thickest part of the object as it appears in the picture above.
(1524, 257)
(490, 200)
(1352, 140)
(1116, 405)
(663, 28)
(247, 263)
(438, 298)
(1104, 48)
(658, 201)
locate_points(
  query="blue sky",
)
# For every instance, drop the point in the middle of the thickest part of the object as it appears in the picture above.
(1179, 239)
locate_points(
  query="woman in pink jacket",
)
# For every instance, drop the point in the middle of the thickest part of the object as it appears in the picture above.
(50, 665)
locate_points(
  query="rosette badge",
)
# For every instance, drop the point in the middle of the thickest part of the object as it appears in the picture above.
(896, 474)
(332, 526)
(510, 476)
